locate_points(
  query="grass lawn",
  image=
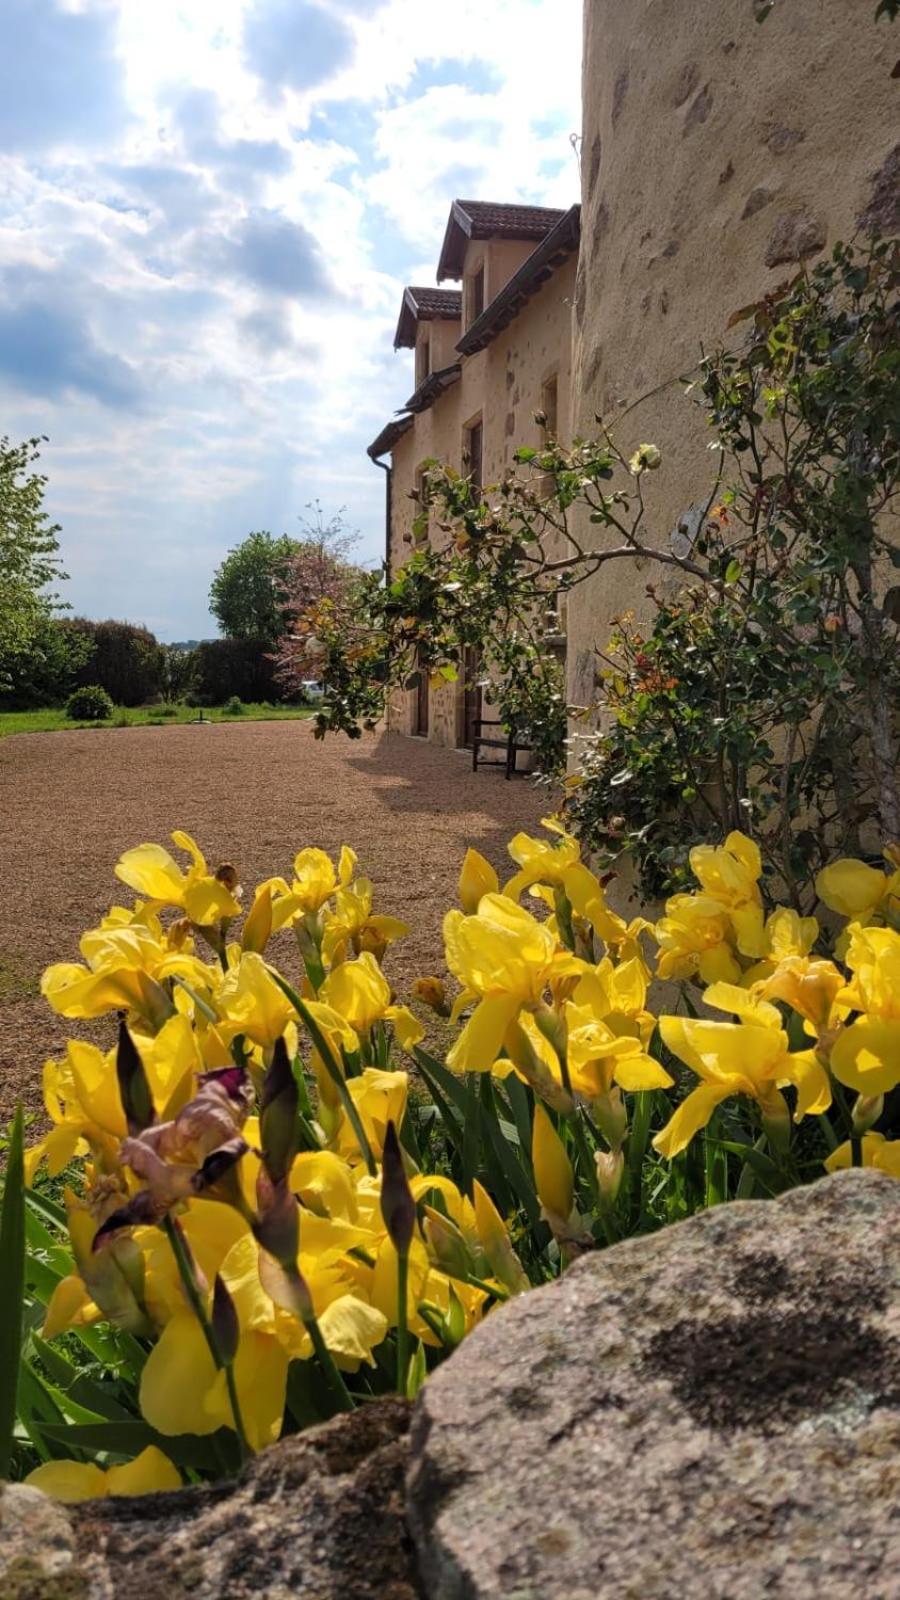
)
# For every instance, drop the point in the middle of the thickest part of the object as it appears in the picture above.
(145, 716)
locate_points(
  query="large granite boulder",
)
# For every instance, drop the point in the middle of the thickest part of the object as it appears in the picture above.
(713, 1410)
(318, 1517)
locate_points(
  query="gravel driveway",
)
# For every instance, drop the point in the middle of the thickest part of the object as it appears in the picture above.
(70, 803)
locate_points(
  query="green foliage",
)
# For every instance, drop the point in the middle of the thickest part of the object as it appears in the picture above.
(765, 693)
(177, 669)
(226, 669)
(12, 1277)
(530, 693)
(125, 658)
(234, 706)
(28, 556)
(90, 704)
(246, 594)
(48, 673)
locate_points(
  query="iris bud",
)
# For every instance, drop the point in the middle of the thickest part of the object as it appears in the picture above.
(134, 1089)
(278, 1115)
(398, 1207)
(224, 1322)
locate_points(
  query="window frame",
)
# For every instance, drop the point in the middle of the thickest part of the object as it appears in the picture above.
(474, 428)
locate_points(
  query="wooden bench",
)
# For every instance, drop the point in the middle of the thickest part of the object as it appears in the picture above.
(505, 739)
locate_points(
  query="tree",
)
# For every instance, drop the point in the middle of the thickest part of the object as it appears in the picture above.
(318, 579)
(28, 554)
(125, 659)
(246, 594)
(176, 671)
(764, 696)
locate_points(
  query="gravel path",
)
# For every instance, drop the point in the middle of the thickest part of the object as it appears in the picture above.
(70, 803)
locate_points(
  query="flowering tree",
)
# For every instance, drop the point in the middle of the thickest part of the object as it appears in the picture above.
(316, 580)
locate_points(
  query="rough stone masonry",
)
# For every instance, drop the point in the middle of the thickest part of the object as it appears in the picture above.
(713, 1409)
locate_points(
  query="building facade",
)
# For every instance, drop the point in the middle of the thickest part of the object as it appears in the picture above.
(718, 154)
(487, 356)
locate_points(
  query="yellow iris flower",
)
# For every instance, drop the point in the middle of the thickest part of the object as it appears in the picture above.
(81, 1095)
(477, 877)
(750, 1057)
(702, 935)
(125, 970)
(249, 1001)
(353, 928)
(588, 899)
(694, 939)
(600, 1058)
(204, 897)
(810, 987)
(360, 993)
(859, 892)
(541, 861)
(315, 881)
(71, 1481)
(505, 959)
(380, 1098)
(877, 1151)
(866, 1054)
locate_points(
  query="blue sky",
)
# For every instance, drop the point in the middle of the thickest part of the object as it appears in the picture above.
(208, 209)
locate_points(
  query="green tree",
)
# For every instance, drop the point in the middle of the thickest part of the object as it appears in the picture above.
(28, 554)
(246, 596)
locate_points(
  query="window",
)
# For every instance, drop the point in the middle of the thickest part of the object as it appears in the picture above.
(423, 357)
(550, 408)
(473, 448)
(421, 509)
(475, 296)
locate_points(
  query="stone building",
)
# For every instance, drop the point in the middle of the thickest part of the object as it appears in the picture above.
(717, 154)
(487, 356)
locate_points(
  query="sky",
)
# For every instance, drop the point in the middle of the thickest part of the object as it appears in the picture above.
(208, 211)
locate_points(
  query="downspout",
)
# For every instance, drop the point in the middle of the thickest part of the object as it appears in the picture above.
(388, 480)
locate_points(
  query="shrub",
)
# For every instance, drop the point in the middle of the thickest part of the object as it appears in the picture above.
(90, 704)
(126, 659)
(568, 1114)
(240, 668)
(234, 707)
(177, 671)
(47, 673)
(168, 711)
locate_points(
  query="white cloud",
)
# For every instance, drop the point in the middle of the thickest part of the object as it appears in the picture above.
(203, 378)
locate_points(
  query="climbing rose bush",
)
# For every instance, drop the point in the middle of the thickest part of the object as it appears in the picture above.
(277, 1203)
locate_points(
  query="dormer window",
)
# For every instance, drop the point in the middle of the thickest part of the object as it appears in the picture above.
(423, 356)
(475, 296)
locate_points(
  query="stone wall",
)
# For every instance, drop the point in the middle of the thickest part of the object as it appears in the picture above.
(717, 153)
